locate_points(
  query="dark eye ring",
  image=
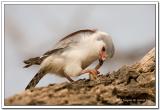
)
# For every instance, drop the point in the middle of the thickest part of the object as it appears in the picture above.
(103, 49)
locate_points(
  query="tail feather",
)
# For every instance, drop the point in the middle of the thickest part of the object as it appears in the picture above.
(33, 61)
(35, 79)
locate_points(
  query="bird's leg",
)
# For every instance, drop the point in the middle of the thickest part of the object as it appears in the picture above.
(69, 78)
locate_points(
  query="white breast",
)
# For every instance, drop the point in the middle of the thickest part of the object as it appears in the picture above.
(73, 60)
(86, 51)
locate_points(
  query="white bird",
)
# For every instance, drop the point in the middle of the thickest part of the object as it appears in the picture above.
(73, 54)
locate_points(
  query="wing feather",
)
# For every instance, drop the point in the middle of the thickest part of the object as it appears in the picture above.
(69, 40)
(73, 38)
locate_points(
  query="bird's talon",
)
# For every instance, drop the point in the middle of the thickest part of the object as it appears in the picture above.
(94, 72)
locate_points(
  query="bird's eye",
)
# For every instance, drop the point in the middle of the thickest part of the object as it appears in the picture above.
(103, 49)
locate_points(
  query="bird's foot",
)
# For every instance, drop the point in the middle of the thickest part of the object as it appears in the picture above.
(92, 73)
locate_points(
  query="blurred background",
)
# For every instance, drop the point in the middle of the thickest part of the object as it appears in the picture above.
(31, 30)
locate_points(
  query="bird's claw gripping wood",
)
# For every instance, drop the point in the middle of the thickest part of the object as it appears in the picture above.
(93, 74)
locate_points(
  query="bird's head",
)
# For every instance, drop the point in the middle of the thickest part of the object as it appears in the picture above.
(106, 46)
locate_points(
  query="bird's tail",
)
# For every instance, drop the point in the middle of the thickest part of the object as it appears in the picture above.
(35, 79)
(33, 61)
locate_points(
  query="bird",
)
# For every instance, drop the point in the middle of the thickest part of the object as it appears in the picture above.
(72, 55)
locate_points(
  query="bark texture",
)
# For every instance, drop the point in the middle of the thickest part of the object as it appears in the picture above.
(130, 85)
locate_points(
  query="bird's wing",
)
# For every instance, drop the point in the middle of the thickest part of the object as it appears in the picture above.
(52, 51)
(74, 38)
(69, 40)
